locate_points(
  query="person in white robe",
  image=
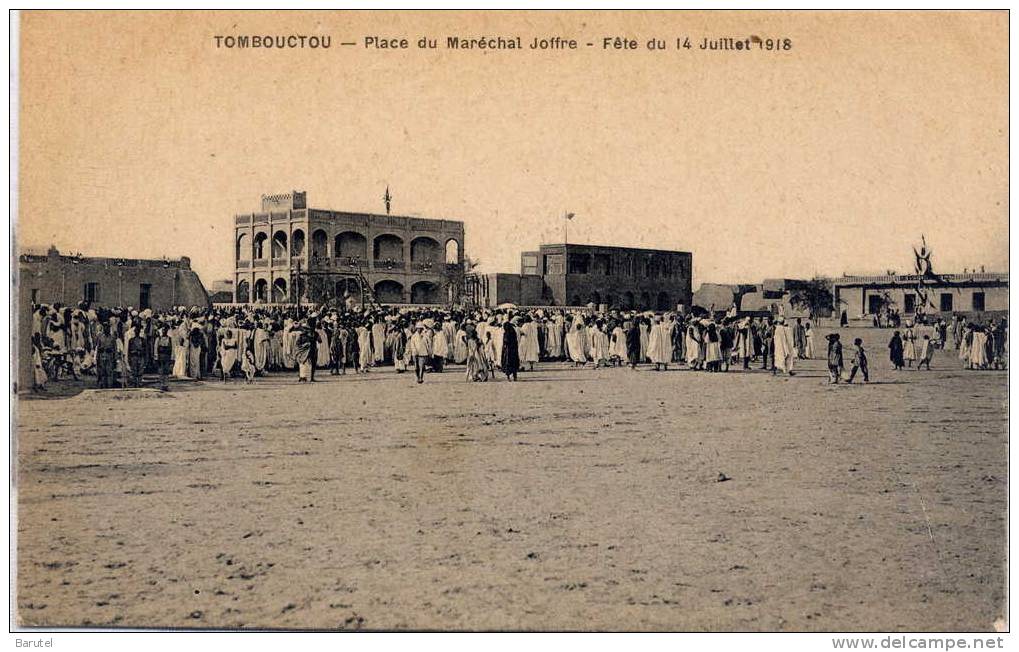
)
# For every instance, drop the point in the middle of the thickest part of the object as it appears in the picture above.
(711, 343)
(276, 350)
(449, 330)
(809, 350)
(496, 331)
(978, 349)
(460, 346)
(576, 341)
(227, 352)
(660, 344)
(529, 349)
(785, 351)
(617, 346)
(261, 348)
(554, 341)
(599, 345)
(322, 356)
(378, 337)
(440, 347)
(288, 361)
(181, 344)
(909, 344)
(477, 367)
(693, 335)
(488, 352)
(364, 343)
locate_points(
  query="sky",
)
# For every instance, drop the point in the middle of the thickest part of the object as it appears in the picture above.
(140, 138)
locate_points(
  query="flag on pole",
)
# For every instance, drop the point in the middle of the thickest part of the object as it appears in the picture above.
(569, 216)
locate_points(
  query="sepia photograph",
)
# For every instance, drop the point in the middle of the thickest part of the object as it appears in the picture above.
(511, 321)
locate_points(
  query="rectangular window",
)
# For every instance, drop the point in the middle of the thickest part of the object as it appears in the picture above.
(91, 292)
(578, 264)
(603, 264)
(144, 296)
(874, 303)
(529, 264)
(946, 303)
(910, 303)
(978, 301)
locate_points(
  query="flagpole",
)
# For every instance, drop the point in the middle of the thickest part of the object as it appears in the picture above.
(566, 229)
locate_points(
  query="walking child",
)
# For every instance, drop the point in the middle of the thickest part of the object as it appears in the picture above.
(859, 362)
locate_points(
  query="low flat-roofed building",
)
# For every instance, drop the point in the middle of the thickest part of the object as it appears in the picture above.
(969, 293)
(140, 283)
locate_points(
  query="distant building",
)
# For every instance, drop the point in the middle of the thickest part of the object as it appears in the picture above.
(221, 291)
(141, 283)
(970, 293)
(289, 250)
(495, 289)
(580, 274)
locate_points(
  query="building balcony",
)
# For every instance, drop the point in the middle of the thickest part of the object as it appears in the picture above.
(389, 265)
(426, 267)
(258, 263)
(243, 264)
(349, 262)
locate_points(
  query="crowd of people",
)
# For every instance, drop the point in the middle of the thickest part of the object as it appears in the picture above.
(120, 345)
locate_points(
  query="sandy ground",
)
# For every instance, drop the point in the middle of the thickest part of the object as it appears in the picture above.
(574, 499)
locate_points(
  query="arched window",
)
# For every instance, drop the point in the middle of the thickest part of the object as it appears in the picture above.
(350, 244)
(388, 292)
(388, 247)
(319, 244)
(452, 252)
(424, 250)
(242, 247)
(424, 292)
(261, 290)
(347, 287)
(242, 293)
(297, 243)
(279, 244)
(279, 290)
(258, 252)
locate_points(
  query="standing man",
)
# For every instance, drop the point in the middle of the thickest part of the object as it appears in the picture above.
(106, 357)
(800, 339)
(632, 343)
(164, 355)
(136, 354)
(782, 349)
(768, 344)
(510, 357)
(420, 349)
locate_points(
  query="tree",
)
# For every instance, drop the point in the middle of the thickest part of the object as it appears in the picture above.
(815, 296)
(453, 277)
